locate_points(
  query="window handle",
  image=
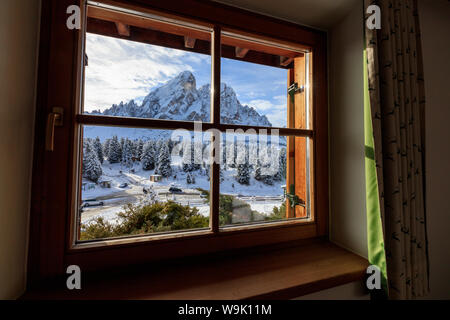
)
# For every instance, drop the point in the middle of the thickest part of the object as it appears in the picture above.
(54, 119)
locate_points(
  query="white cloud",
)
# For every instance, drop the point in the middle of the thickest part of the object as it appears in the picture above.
(278, 119)
(262, 105)
(281, 99)
(121, 70)
(275, 112)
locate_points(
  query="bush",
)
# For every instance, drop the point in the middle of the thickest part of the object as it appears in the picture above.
(225, 209)
(169, 216)
(99, 229)
(142, 219)
(278, 213)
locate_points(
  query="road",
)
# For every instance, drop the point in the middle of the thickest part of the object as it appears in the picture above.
(114, 202)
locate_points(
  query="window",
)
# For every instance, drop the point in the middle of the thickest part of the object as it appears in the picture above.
(179, 128)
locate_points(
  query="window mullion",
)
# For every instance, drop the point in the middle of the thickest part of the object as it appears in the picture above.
(215, 112)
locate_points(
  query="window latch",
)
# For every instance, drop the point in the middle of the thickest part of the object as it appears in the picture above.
(293, 89)
(54, 119)
(294, 200)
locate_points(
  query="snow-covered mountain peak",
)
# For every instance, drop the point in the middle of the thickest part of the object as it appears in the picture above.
(184, 80)
(179, 99)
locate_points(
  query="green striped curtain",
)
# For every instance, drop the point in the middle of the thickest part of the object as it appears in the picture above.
(394, 104)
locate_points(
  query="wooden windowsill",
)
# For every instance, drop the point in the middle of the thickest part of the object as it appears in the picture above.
(281, 273)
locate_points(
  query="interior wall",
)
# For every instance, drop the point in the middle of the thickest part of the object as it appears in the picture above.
(19, 37)
(17, 83)
(346, 114)
(347, 172)
(434, 18)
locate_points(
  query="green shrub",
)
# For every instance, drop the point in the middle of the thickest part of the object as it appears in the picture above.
(225, 206)
(278, 213)
(142, 219)
(99, 229)
(169, 216)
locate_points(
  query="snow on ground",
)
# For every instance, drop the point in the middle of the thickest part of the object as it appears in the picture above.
(261, 197)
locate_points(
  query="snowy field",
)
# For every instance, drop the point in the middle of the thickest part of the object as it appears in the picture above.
(261, 197)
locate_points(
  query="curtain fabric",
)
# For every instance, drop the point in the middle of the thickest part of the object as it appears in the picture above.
(396, 99)
(375, 237)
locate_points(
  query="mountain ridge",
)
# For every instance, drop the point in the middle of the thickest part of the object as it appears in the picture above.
(180, 99)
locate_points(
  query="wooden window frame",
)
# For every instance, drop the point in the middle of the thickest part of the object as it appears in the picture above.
(51, 247)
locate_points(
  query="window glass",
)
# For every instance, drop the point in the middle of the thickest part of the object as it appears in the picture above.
(140, 181)
(158, 72)
(254, 180)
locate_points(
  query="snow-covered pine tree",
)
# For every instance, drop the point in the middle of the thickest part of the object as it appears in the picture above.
(189, 178)
(243, 174)
(264, 166)
(170, 145)
(231, 153)
(258, 174)
(268, 179)
(243, 165)
(106, 148)
(92, 168)
(139, 148)
(163, 166)
(115, 153)
(187, 156)
(127, 153)
(281, 174)
(192, 155)
(99, 149)
(253, 155)
(197, 153)
(122, 142)
(148, 156)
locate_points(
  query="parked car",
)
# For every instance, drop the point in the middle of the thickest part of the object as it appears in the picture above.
(123, 185)
(175, 190)
(91, 203)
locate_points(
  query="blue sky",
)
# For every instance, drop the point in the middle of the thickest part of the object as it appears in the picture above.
(121, 70)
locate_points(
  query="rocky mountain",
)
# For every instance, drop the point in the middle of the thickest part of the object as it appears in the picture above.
(179, 99)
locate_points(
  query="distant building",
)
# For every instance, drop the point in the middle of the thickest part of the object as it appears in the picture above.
(87, 186)
(105, 183)
(155, 177)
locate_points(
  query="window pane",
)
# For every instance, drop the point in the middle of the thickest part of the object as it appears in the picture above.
(255, 79)
(144, 68)
(141, 181)
(255, 174)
